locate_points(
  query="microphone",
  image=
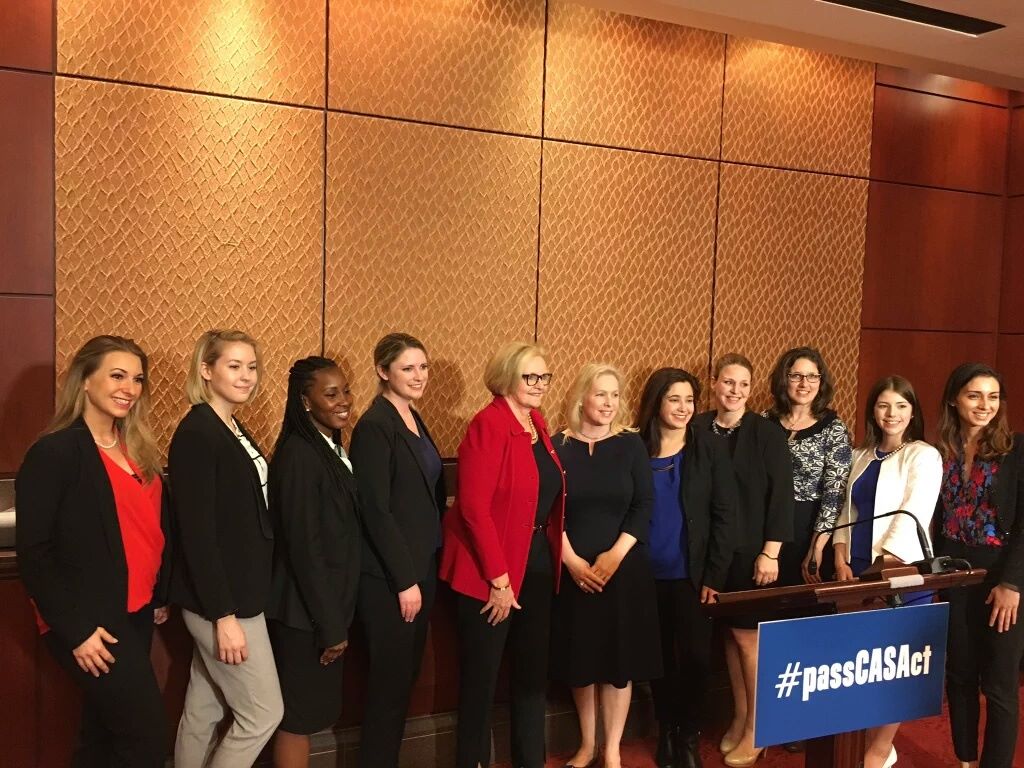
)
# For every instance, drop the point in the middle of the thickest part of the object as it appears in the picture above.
(930, 563)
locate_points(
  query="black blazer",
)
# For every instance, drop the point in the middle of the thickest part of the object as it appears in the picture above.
(401, 510)
(316, 557)
(708, 492)
(70, 552)
(225, 537)
(763, 468)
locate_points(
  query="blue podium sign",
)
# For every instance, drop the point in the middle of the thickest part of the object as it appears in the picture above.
(830, 674)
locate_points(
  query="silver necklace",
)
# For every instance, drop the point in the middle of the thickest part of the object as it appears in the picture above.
(721, 431)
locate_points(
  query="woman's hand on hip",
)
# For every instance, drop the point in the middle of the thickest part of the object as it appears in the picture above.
(333, 653)
(231, 647)
(160, 614)
(409, 602)
(583, 574)
(92, 655)
(1004, 602)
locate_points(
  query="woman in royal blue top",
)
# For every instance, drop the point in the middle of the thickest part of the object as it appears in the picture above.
(981, 519)
(893, 469)
(690, 545)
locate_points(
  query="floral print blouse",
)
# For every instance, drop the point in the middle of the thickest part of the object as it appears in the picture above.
(968, 514)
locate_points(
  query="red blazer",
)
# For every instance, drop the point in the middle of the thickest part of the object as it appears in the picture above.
(488, 530)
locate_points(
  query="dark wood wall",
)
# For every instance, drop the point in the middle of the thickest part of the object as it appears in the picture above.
(1010, 353)
(934, 290)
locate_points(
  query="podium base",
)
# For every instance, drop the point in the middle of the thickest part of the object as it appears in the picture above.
(843, 750)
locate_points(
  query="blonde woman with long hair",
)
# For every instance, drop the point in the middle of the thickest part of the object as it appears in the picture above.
(605, 623)
(91, 549)
(222, 581)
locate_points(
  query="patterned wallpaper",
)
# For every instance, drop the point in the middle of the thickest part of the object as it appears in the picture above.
(470, 171)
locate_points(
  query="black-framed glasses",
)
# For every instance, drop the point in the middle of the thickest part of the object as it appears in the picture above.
(810, 378)
(533, 379)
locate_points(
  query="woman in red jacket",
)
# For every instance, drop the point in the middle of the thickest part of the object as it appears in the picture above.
(502, 552)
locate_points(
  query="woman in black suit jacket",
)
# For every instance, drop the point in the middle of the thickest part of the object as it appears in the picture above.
(219, 477)
(691, 547)
(91, 533)
(401, 485)
(764, 481)
(313, 501)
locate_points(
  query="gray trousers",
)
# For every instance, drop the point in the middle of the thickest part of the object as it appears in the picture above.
(249, 692)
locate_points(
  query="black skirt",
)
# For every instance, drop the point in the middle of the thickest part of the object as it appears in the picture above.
(610, 636)
(310, 690)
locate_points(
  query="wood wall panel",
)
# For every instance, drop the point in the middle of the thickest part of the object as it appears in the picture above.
(925, 358)
(18, 647)
(789, 271)
(258, 48)
(432, 231)
(177, 213)
(627, 244)
(1011, 306)
(26, 377)
(1010, 363)
(1015, 175)
(26, 183)
(624, 81)
(935, 141)
(793, 108)
(941, 85)
(920, 244)
(26, 35)
(474, 63)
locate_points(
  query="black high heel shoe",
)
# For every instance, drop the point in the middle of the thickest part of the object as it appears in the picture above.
(667, 753)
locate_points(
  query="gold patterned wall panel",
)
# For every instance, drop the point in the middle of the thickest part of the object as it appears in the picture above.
(624, 81)
(432, 231)
(789, 271)
(627, 245)
(265, 49)
(177, 213)
(476, 63)
(793, 108)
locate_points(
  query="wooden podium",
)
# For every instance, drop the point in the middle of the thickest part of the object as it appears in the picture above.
(873, 590)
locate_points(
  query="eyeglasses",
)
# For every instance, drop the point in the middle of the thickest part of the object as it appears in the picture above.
(533, 379)
(810, 378)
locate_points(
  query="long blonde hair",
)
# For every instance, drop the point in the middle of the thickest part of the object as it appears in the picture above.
(136, 435)
(590, 373)
(207, 350)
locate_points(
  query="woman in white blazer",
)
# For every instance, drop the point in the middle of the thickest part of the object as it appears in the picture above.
(893, 469)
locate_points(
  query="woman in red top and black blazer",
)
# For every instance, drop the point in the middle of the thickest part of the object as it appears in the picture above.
(91, 533)
(502, 554)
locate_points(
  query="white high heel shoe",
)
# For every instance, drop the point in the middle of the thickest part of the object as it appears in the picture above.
(890, 761)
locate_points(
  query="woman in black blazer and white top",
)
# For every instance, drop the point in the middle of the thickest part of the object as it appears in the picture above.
(91, 546)
(219, 479)
(401, 486)
(313, 502)
(691, 548)
(764, 482)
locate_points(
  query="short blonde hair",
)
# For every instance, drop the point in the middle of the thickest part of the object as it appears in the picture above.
(590, 373)
(501, 376)
(208, 349)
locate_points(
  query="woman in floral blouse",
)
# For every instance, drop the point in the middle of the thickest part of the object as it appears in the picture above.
(980, 504)
(819, 443)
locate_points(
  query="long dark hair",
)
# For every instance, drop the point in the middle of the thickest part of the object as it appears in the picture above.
(903, 388)
(779, 382)
(655, 389)
(296, 419)
(995, 439)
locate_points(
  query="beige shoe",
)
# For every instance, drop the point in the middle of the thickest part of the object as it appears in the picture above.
(736, 760)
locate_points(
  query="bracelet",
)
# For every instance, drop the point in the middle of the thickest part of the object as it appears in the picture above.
(765, 554)
(501, 589)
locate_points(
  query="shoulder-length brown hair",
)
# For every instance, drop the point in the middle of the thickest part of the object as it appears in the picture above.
(136, 435)
(648, 421)
(903, 388)
(779, 382)
(995, 439)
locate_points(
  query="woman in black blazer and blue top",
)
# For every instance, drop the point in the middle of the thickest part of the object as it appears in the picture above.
(980, 517)
(313, 502)
(219, 481)
(764, 483)
(401, 486)
(691, 548)
(90, 545)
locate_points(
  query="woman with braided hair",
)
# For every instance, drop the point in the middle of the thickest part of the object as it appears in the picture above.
(313, 504)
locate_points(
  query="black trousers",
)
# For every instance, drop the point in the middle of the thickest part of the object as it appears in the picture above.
(123, 720)
(526, 633)
(685, 629)
(981, 659)
(396, 651)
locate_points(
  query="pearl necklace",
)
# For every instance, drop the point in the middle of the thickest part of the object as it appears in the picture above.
(104, 446)
(890, 454)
